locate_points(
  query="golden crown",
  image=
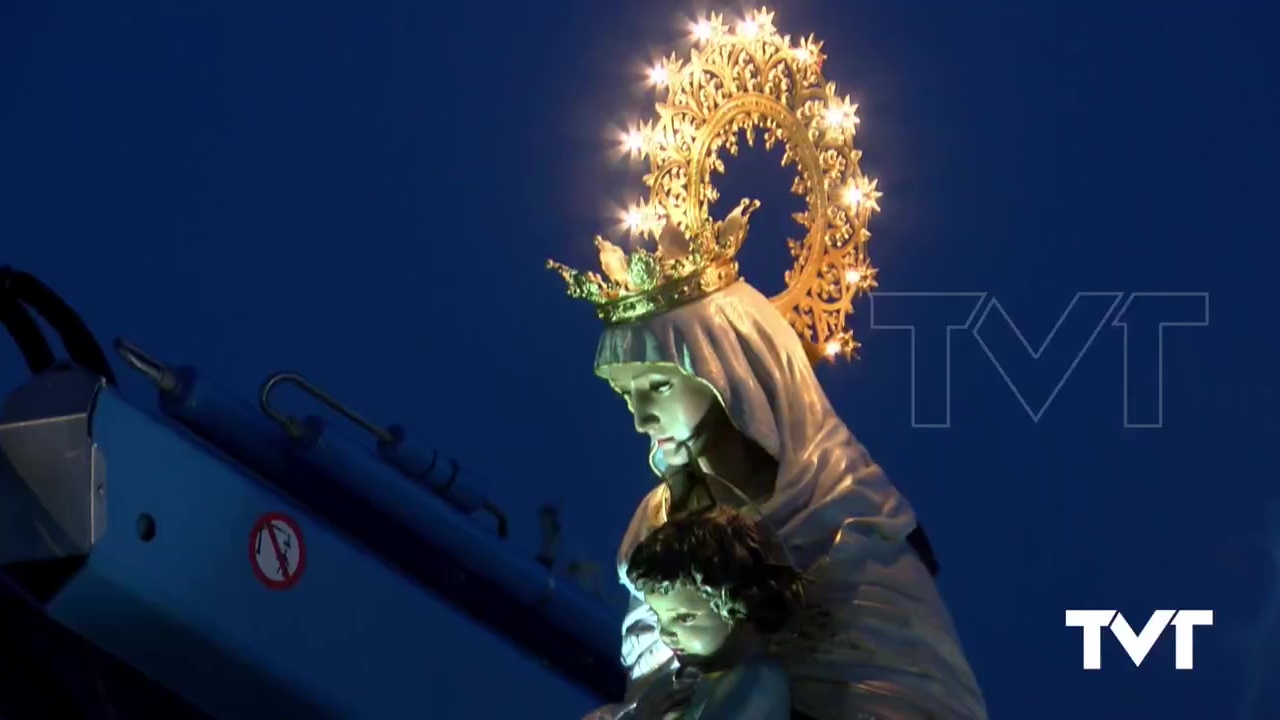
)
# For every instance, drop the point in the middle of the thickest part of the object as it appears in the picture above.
(743, 79)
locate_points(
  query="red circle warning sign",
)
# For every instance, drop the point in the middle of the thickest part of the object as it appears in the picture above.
(277, 552)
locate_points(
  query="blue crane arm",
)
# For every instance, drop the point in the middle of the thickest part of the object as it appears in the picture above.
(258, 564)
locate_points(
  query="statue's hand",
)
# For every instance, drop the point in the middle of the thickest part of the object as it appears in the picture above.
(668, 695)
(608, 712)
(677, 455)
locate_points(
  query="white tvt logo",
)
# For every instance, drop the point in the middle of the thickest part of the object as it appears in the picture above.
(1139, 644)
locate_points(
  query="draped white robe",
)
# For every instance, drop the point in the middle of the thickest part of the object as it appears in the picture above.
(881, 643)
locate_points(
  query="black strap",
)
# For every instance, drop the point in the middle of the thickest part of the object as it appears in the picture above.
(19, 289)
(919, 542)
(25, 333)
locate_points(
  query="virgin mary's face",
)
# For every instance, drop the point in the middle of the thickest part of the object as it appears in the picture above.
(665, 403)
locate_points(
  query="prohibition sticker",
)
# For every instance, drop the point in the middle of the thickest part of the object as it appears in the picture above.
(276, 551)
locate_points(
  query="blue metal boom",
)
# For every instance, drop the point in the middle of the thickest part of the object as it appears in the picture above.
(130, 521)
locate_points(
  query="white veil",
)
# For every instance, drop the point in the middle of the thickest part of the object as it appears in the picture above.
(738, 343)
(832, 504)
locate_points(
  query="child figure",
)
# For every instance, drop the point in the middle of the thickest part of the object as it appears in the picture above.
(719, 589)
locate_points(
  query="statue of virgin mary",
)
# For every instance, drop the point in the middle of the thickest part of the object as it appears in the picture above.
(721, 379)
(876, 637)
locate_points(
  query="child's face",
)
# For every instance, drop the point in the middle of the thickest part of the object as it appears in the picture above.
(688, 625)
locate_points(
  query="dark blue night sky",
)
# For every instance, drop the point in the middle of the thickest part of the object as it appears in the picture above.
(367, 192)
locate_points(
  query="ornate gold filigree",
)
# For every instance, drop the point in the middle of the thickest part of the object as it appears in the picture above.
(742, 81)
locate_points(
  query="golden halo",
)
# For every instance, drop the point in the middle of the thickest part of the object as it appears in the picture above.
(750, 79)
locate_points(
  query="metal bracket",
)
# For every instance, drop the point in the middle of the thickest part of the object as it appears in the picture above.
(290, 424)
(134, 357)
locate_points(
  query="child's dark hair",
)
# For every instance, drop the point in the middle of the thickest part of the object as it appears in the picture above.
(730, 559)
